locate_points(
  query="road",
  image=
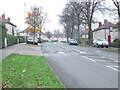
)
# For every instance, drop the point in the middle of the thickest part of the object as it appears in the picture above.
(82, 67)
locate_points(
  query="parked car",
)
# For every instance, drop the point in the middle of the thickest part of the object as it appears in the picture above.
(30, 40)
(73, 42)
(100, 43)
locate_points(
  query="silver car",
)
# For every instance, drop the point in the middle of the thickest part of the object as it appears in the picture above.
(100, 43)
(32, 40)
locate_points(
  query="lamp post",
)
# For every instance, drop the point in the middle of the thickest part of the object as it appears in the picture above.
(24, 24)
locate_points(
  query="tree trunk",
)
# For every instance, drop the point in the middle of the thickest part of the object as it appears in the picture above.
(90, 36)
(78, 34)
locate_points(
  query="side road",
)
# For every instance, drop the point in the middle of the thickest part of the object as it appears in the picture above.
(22, 48)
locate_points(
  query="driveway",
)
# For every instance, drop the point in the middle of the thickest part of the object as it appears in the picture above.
(22, 48)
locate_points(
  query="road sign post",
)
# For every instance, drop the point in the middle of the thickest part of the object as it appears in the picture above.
(109, 36)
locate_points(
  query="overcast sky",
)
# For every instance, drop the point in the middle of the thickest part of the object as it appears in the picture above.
(15, 10)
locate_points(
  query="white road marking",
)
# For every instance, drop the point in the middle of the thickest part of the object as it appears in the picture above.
(112, 67)
(80, 51)
(61, 52)
(83, 52)
(98, 51)
(110, 59)
(101, 60)
(89, 58)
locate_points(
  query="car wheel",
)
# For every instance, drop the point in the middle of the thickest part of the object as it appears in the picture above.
(106, 46)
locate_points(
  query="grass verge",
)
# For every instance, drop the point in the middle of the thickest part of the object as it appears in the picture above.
(112, 49)
(25, 71)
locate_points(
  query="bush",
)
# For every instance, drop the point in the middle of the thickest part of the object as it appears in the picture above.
(11, 40)
(89, 42)
(83, 41)
(21, 39)
(2, 33)
(115, 44)
(44, 40)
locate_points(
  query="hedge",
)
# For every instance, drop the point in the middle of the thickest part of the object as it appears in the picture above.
(21, 39)
(115, 44)
(11, 40)
(2, 33)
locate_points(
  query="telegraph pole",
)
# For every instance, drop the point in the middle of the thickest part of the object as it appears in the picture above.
(24, 23)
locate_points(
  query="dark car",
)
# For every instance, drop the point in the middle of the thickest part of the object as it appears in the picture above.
(73, 42)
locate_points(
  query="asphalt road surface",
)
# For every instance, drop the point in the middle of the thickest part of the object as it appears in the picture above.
(82, 67)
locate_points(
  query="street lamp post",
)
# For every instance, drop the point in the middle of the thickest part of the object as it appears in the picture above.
(24, 24)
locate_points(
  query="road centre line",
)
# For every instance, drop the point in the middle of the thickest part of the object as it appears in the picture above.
(89, 58)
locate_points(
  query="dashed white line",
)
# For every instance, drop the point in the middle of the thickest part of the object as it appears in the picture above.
(98, 51)
(82, 52)
(89, 58)
(112, 68)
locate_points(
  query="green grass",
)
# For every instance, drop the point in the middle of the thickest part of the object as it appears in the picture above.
(111, 49)
(25, 71)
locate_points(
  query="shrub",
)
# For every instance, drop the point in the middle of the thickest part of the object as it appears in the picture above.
(11, 39)
(2, 33)
(115, 44)
(21, 39)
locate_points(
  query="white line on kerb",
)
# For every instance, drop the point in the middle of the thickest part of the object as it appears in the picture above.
(112, 68)
(89, 58)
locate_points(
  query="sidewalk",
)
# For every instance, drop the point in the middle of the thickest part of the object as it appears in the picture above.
(21, 48)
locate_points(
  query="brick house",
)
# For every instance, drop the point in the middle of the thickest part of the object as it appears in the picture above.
(10, 27)
(103, 31)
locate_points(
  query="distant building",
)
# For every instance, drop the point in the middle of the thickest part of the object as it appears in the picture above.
(103, 31)
(11, 28)
(26, 33)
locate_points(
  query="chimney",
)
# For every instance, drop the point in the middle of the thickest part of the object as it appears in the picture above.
(8, 19)
(100, 23)
(105, 21)
(3, 16)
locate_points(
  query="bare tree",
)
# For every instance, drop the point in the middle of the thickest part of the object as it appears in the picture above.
(70, 18)
(49, 35)
(117, 5)
(77, 10)
(36, 19)
(89, 9)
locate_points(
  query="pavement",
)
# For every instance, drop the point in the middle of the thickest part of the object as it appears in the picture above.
(22, 48)
(82, 67)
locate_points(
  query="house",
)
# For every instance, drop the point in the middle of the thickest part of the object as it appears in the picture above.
(103, 31)
(10, 27)
(37, 34)
(23, 33)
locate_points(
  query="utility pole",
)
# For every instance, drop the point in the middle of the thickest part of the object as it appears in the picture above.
(24, 23)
